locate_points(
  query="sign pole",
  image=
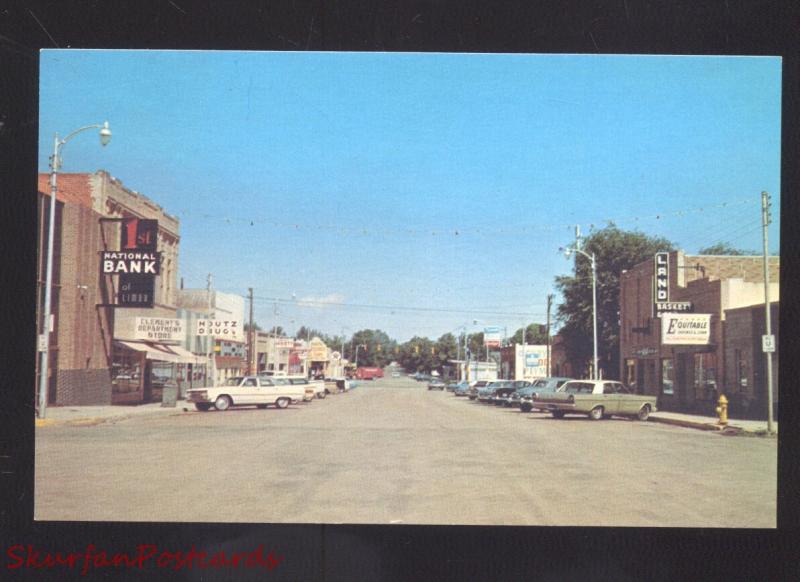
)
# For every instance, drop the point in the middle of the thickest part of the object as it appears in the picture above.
(209, 347)
(765, 221)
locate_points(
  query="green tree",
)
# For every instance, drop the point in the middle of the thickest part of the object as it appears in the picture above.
(535, 333)
(445, 349)
(378, 348)
(722, 248)
(615, 250)
(418, 355)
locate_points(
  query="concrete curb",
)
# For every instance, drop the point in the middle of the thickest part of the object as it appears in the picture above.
(686, 423)
(729, 429)
(95, 420)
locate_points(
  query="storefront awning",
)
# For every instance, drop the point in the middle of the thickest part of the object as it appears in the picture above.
(163, 352)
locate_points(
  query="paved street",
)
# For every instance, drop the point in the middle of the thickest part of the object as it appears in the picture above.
(393, 452)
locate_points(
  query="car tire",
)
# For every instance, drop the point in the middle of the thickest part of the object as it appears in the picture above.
(322, 395)
(223, 403)
(202, 406)
(282, 403)
(557, 413)
(525, 407)
(597, 413)
(644, 412)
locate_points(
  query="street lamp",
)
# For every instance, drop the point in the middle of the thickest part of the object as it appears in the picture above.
(359, 346)
(55, 164)
(567, 252)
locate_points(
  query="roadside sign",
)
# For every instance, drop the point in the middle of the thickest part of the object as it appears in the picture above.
(768, 343)
(42, 342)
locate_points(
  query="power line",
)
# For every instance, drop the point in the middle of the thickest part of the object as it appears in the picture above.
(330, 304)
(453, 231)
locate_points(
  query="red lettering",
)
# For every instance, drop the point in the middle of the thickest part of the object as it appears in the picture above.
(20, 559)
(86, 559)
(142, 557)
(164, 559)
(32, 555)
(120, 558)
(69, 559)
(131, 225)
(218, 560)
(101, 560)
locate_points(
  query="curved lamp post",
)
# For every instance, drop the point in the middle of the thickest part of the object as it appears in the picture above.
(567, 252)
(55, 164)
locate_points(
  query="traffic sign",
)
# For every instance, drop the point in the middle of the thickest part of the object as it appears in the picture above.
(42, 342)
(768, 343)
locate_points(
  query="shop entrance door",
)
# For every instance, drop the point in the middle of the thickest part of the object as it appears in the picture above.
(682, 380)
(148, 381)
(640, 387)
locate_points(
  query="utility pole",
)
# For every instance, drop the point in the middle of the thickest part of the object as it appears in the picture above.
(549, 302)
(275, 338)
(209, 340)
(250, 336)
(765, 221)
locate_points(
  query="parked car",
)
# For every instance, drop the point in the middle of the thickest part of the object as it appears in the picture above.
(476, 387)
(597, 399)
(316, 387)
(436, 384)
(487, 392)
(336, 385)
(259, 391)
(510, 398)
(540, 386)
(451, 386)
(461, 389)
(503, 389)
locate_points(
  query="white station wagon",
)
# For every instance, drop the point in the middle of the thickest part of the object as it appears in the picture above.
(256, 391)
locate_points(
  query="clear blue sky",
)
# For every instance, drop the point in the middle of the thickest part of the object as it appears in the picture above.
(357, 170)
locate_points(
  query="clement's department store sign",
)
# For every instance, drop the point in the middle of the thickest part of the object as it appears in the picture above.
(158, 329)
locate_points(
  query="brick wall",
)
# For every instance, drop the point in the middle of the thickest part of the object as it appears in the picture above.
(84, 331)
(743, 330)
(84, 387)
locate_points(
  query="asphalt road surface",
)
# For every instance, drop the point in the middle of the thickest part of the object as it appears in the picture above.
(390, 451)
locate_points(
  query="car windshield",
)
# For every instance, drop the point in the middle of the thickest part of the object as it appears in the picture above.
(579, 388)
(540, 383)
(233, 381)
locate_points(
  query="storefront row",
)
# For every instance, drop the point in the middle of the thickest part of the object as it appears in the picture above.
(704, 338)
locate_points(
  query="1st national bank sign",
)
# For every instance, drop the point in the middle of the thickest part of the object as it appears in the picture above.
(137, 263)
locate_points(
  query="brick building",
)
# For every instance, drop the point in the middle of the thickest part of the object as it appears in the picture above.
(686, 376)
(90, 361)
(745, 364)
(81, 336)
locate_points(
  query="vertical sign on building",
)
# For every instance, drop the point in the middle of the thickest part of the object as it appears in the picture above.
(660, 280)
(138, 289)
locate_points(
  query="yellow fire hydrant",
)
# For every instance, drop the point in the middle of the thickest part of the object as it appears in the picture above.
(722, 409)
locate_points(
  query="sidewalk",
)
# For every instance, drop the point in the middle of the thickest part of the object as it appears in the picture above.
(755, 427)
(92, 415)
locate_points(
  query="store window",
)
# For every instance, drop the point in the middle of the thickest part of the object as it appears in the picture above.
(742, 371)
(667, 376)
(705, 376)
(125, 371)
